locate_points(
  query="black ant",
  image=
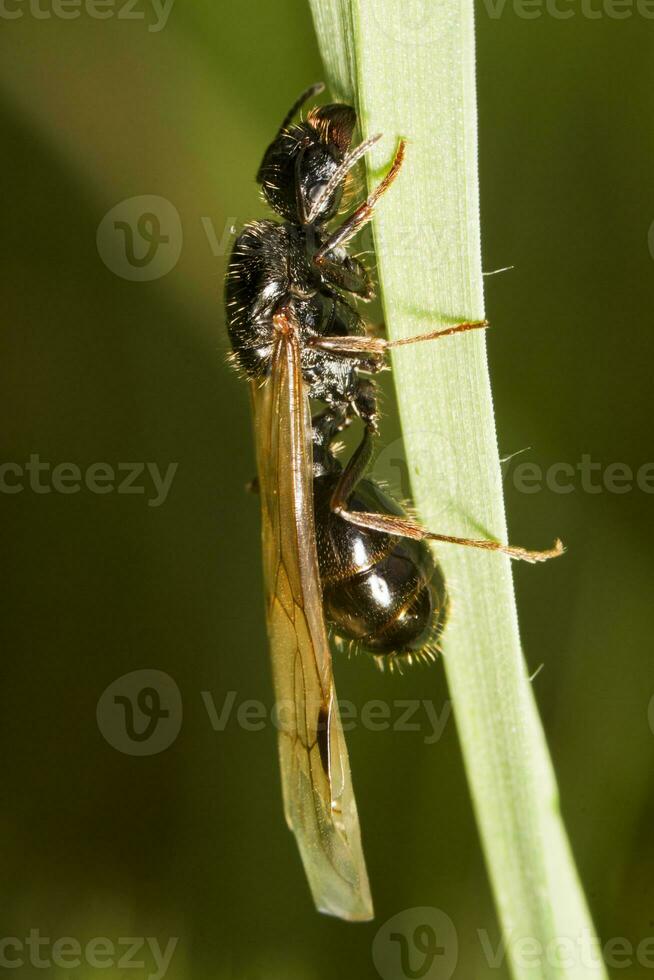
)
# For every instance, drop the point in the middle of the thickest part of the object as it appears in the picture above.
(380, 584)
(336, 548)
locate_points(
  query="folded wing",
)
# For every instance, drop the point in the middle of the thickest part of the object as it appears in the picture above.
(318, 797)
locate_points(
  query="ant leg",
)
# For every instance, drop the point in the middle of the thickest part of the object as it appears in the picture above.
(362, 402)
(344, 321)
(365, 404)
(355, 346)
(352, 474)
(404, 527)
(327, 425)
(349, 274)
(364, 212)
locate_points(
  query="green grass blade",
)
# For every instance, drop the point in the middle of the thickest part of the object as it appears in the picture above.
(409, 69)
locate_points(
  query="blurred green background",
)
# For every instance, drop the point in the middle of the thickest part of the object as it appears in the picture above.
(190, 842)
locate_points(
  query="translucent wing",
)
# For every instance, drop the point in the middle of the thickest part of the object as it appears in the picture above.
(318, 797)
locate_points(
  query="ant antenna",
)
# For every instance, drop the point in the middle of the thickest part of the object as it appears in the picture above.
(308, 93)
(349, 161)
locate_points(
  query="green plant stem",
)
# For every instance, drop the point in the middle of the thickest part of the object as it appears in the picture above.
(409, 69)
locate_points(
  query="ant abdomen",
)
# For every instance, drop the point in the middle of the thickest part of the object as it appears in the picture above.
(385, 593)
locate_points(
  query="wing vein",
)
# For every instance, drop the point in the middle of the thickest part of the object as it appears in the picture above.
(318, 797)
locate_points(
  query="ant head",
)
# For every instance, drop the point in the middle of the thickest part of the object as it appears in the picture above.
(301, 161)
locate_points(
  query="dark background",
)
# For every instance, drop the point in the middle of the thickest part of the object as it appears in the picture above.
(190, 841)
